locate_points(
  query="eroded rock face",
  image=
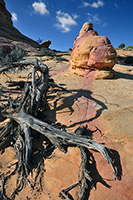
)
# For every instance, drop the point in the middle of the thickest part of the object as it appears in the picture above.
(9, 35)
(92, 51)
(5, 16)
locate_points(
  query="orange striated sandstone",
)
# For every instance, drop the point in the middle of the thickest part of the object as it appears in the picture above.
(91, 51)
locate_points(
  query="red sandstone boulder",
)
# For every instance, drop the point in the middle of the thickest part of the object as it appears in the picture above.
(92, 51)
(45, 44)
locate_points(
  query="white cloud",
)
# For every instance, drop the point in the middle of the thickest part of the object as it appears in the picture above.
(93, 18)
(100, 3)
(94, 4)
(14, 17)
(105, 24)
(40, 7)
(65, 21)
(116, 5)
(85, 4)
(75, 16)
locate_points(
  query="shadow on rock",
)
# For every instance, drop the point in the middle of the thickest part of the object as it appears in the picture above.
(119, 75)
(89, 176)
(68, 102)
(114, 155)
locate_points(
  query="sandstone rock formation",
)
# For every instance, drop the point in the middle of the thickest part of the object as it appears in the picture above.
(91, 51)
(9, 35)
(45, 44)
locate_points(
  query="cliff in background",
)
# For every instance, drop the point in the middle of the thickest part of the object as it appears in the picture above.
(9, 35)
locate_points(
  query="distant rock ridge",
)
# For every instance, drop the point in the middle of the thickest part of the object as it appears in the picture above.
(91, 51)
(9, 35)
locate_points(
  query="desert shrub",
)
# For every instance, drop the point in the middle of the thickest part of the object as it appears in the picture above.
(130, 48)
(116, 48)
(121, 46)
(127, 48)
(39, 40)
(46, 51)
(16, 54)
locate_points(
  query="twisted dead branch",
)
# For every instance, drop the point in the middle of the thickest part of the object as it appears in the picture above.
(24, 123)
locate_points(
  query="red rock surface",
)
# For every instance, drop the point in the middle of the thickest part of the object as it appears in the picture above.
(106, 107)
(98, 105)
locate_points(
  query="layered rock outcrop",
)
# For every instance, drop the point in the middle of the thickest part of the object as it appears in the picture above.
(45, 44)
(91, 51)
(9, 35)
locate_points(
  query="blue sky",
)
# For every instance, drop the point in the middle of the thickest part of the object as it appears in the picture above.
(61, 20)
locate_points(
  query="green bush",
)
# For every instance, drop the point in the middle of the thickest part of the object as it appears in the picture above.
(121, 46)
(16, 54)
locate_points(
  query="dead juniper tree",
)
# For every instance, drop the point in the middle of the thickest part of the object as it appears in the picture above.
(25, 122)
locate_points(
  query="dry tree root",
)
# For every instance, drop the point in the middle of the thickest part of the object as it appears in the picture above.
(24, 124)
